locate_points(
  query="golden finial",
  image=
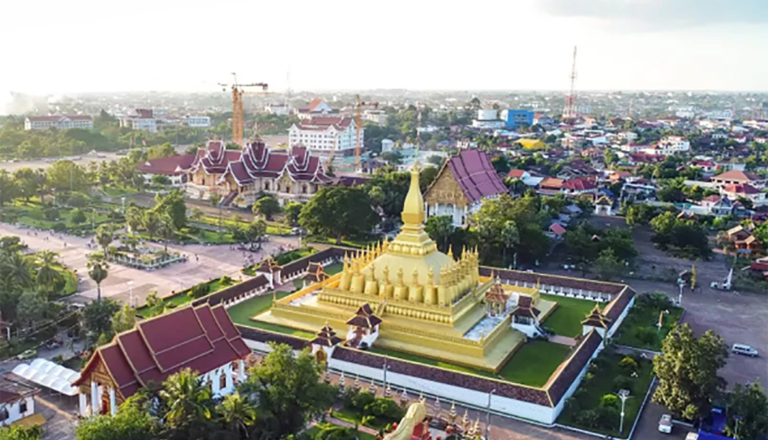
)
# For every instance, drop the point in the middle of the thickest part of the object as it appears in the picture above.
(431, 275)
(400, 275)
(450, 251)
(386, 273)
(415, 277)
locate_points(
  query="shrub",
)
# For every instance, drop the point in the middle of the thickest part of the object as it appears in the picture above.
(51, 213)
(77, 200)
(622, 383)
(572, 405)
(226, 280)
(77, 216)
(646, 335)
(606, 417)
(387, 409)
(586, 418)
(609, 401)
(628, 365)
(198, 290)
(362, 400)
(58, 359)
(58, 226)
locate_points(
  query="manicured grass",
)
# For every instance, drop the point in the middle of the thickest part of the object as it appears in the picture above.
(242, 313)
(566, 319)
(117, 191)
(602, 383)
(534, 363)
(181, 298)
(353, 416)
(200, 235)
(640, 327)
(333, 269)
(313, 431)
(344, 241)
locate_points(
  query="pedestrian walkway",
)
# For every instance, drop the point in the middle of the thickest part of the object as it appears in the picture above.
(563, 340)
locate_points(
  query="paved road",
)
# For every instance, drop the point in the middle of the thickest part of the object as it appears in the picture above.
(211, 262)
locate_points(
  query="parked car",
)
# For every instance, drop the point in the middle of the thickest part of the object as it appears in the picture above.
(746, 350)
(29, 354)
(665, 424)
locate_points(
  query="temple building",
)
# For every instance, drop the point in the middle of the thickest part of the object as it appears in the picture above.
(423, 301)
(461, 185)
(240, 176)
(202, 338)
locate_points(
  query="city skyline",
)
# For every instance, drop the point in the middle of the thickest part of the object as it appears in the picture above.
(623, 45)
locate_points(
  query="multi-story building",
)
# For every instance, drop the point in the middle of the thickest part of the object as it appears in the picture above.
(376, 116)
(316, 108)
(276, 109)
(517, 118)
(461, 186)
(198, 121)
(670, 145)
(324, 135)
(140, 119)
(739, 177)
(487, 118)
(59, 122)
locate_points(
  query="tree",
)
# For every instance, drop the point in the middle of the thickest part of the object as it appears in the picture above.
(98, 270)
(65, 175)
(161, 151)
(266, 206)
(254, 232)
(189, 405)
(687, 371)
(291, 212)
(130, 423)
(151, 221)
(166, 230)
(287, 390)
(97, 317)
(426, 176)
(509, 237)
(440, 228)
(607, 265)
(76, 216)
(337, 211)
(174, 206)
(21, 433)
(501, 164)
(747, 413)
(237, 414)
(134, 218)
(610, 158)
(28, 182)
(640, 214)
(197, 214)
(160, 180)
(46, 263)
(9, 190)
(18, 268)
(31, 308)
(392, 157)
(215, 200)
(104, 235)
(124, 319)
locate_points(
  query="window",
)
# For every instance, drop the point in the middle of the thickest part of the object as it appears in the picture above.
(3, 414)
(23, 406)
(222, 380)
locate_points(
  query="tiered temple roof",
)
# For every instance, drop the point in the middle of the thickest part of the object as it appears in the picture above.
(315, 273)
(496, 293)
(597, 319)
(200, 338)
(525, 307)
(214, 158)
(326, 337)
(364, 318)
(258, 161)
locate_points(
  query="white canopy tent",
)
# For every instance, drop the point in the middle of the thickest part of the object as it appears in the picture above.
(50, 375)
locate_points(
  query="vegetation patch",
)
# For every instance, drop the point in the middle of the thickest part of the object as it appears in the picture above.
(566, 319)
(534, 363)
(641, 326)
(594, 405)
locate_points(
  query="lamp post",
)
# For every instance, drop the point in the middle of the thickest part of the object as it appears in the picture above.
(488, 415)
(385, 374)
(623, 395)
(130, 294)
(738, 419)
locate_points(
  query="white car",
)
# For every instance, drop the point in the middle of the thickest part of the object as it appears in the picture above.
(746, 350)
(665, 424)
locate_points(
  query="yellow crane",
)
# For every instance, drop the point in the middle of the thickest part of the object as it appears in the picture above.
(237, 105)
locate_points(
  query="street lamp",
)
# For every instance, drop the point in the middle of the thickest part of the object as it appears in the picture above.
(738, 419)
(623, 395)
(488, 415)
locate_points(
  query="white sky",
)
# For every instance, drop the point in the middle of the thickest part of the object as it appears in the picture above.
(54, 46)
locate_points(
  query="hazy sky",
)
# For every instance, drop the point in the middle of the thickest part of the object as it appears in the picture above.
(54, 46)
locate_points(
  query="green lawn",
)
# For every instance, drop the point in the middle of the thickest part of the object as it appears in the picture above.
(241, 314)
(534, 363)
(428, 361)
(313, 431)
(334, 268)
(118, 191)
(200, 235)
(567, 317)
(603, 383)
(181, 298)
(640, 327)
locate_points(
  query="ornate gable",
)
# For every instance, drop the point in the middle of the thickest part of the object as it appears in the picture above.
(445, 190)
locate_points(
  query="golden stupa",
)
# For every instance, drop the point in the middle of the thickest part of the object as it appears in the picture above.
(431, 304)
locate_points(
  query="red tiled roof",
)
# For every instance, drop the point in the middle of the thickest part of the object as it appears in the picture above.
(737, 176)
(475, 175)
(314, 103)
(258, 161)
(741, 188)
(201, 338)
(579, 184)
(712, 198)
(551, 183)
(557, 228)
(516, 174)
(324, 122)
(169, 166)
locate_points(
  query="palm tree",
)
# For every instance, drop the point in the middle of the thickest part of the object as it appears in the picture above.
(237, 414)
(18, 267)
(104, 236)
(151, 222)
(98, 270)
(47, 273)
(188, 401)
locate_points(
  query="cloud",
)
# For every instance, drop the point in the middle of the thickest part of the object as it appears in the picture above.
(650, 15)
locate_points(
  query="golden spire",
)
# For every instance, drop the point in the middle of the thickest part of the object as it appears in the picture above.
(450, 251)
(431, 276)
(413, 208)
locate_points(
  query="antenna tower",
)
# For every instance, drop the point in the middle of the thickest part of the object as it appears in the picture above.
(569, 113)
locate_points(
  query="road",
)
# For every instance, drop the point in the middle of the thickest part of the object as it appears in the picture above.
(205, 263)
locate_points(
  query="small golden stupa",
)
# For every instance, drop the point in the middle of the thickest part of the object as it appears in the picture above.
(430, 303)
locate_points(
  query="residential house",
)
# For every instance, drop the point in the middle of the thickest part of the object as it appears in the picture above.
(742, 239)
(316, 108)
(717, 205)
(17, 403)
(579, 186)
(707, 166)
(740, 177)
(734, 191)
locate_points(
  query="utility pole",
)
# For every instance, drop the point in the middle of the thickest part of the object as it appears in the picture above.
(488, 415)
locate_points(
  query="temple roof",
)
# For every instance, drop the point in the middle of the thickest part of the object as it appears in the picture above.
(315, 273)
(475, 175)
(326, 337)
(202, 338)
(525, 307)
(364, 317)
(496, 294)
(268, 265)
(258, 161)
(597, 319)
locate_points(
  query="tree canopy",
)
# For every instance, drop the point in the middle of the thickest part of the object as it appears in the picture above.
(339, 211)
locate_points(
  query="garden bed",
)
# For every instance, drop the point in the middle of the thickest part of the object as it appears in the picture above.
(592, 408)
(640, 328)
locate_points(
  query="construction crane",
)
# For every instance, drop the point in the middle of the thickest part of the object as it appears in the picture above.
(569, 113)
(359, 125)
(237, 105)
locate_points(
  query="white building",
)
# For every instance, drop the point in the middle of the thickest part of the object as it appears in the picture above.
(670, 145)
(16, 402)
(629, 136)
(325, 134)
(59, 122)
(198, 121)
(276, 109)
(376, 116)
(488, 118)
(141, 119)
(387, 145)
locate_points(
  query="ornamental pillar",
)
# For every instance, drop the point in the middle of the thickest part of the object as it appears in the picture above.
(83, 404)
(229, 380)
(241, 370)
(112, 401)
(94, 398)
